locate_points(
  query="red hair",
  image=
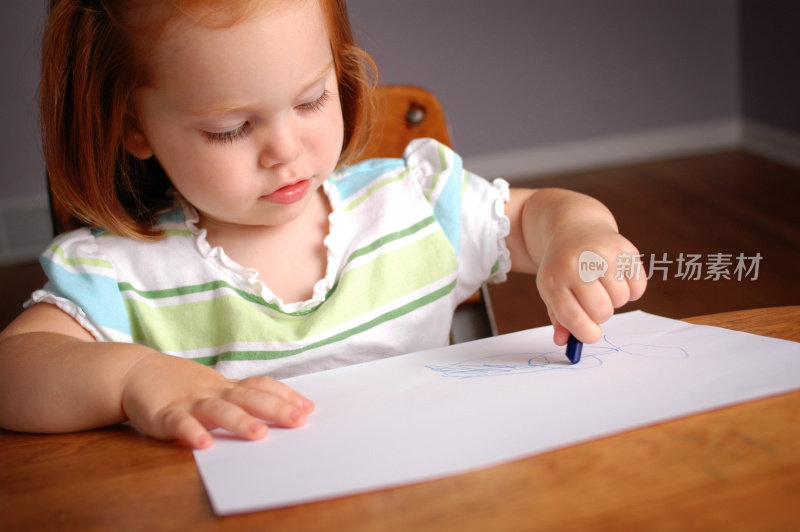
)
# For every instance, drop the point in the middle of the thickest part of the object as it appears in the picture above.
(93, 60)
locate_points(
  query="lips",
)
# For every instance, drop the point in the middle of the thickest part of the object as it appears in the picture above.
(290, 193)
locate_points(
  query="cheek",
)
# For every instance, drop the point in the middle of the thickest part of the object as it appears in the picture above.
(201, 168)
(332, 134)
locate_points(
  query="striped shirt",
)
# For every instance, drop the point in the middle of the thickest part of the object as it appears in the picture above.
(409, 239)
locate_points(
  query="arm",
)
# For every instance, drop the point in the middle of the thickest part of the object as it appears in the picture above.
(550, 228)
(55, 378)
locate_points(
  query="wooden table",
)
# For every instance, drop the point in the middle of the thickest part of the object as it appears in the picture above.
(736, 468)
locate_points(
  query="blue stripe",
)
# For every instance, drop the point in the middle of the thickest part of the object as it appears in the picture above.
(361, 174)
(448, 206)
(97, 295)
(173, 216)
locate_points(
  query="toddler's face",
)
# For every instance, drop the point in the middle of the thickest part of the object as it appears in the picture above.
(245, 120)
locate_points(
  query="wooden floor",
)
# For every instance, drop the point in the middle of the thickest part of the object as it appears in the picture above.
(730, 203)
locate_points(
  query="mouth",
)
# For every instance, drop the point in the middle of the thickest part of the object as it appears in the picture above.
(290, 193)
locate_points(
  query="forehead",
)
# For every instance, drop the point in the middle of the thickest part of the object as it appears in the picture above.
(278, 45)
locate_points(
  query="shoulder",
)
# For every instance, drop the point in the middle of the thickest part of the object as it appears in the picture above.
(430, 157)
(78, 251)
(422, 160)
(96, 249)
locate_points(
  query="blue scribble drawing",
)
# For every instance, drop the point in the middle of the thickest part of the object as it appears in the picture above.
(516, 363)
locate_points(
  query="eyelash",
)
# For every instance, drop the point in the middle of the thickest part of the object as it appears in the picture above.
(317, 104)
(228, 137)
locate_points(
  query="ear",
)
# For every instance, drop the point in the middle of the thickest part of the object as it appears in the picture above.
(136, 143)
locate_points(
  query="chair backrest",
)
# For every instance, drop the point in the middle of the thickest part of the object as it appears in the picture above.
(404, 113)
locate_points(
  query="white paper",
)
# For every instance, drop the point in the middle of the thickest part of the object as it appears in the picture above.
(468, 406)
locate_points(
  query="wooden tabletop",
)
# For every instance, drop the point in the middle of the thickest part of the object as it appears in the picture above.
(737, 468)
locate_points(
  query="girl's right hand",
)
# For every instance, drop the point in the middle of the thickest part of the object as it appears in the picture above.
(46, 357)
(173, 398)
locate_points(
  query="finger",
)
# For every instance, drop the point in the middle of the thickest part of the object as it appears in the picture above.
(595, 300)
(636, 287)
(618, 290)
(560, 333)
(267, 406)
(278, 389)
(217, 412)
(180, 425)
(569, 312)
(629, 280)
(565, 309)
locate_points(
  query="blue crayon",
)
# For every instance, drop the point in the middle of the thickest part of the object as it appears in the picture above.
(574, 348)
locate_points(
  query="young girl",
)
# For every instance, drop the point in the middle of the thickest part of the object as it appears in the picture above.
(233, 239)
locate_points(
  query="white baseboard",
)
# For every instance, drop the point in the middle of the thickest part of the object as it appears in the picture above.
(611, 150)
(25, 225)
(771, 142)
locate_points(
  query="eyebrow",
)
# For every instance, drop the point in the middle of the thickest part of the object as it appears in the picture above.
(319, 77)
(224, 109)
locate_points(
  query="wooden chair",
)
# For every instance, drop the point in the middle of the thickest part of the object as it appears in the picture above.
(404, 113)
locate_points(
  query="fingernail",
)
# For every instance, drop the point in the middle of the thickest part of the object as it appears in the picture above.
(258, 429)
(204, 441)
(308, 406)
(305, 404)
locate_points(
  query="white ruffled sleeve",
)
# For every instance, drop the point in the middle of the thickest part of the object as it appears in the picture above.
(469, 209)
(82, 282)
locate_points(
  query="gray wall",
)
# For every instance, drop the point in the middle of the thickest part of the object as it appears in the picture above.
(519, 73)
(770, 59)
(22, 175)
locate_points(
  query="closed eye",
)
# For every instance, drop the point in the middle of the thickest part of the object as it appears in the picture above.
(228, 137)
(316, 105)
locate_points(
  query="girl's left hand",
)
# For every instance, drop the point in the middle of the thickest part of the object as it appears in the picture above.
(584, 267)
(583, 276)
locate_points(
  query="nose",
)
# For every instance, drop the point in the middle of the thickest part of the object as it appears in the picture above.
(282, 144)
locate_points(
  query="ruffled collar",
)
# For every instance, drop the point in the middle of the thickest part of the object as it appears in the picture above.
(248, 278)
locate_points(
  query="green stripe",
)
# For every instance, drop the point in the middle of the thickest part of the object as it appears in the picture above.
(465, 182)
(443, 165)
(391, 237)
(82, 261)
(374, 284)
(207, 287)
(178, 232)
(271, 355)
(370, 191)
